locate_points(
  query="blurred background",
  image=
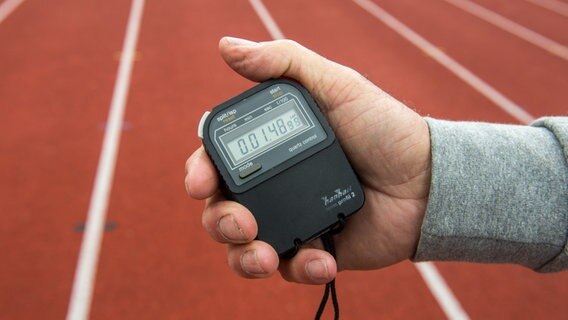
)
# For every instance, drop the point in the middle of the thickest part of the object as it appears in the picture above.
(64, 156)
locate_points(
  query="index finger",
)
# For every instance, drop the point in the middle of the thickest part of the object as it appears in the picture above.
(201, 180)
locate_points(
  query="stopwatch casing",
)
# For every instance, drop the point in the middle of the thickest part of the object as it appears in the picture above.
(276, 154)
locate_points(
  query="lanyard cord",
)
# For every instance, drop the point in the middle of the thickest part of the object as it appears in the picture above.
(329, 246)
(330, 286)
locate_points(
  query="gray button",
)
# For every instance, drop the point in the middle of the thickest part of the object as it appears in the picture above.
(250, 170)
(201, 124)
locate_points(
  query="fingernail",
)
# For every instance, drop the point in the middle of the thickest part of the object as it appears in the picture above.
(250, 263)
(241, 42)
(230, 229)
(317, 269)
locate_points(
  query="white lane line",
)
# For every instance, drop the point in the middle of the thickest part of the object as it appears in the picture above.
(428, 271)
(81, 295)
(513, 28)
(7, 7)
(453, 66)
(552, 5)
(267, 19)
(441, 292)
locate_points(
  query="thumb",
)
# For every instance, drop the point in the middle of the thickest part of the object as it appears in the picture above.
(286, 58)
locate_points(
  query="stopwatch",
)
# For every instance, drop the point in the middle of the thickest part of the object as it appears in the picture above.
(277, 155)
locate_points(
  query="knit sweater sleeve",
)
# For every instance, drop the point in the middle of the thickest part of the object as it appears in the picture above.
(499, 194)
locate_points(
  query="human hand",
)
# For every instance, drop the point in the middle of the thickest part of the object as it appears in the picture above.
(387, 144)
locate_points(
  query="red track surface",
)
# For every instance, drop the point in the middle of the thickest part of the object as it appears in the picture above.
(58, 63)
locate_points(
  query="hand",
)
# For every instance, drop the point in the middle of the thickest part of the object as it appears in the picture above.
(387, 144)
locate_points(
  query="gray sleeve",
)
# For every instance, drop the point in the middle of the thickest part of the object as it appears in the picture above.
(499, 194)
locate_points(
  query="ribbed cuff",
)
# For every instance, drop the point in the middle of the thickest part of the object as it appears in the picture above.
(499, 194)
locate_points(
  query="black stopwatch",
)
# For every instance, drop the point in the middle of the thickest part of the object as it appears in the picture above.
(278, 156)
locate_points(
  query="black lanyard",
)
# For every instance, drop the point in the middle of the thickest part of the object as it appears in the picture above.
(330, 286)
(329, 246)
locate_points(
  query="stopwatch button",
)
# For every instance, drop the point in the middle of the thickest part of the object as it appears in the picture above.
(201, 124)
(250, 170)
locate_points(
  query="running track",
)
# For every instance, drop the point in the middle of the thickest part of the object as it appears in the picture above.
(59, 62)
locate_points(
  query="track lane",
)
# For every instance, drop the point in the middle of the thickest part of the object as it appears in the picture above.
(159, 262)
(532, 16)
(57, 69)
(507, 292)
(557, 6)
(512, 27)
(450, 64)
(85, 272)
(516, 68)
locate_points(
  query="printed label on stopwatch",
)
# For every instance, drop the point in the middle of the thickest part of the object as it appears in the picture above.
(338, 197)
